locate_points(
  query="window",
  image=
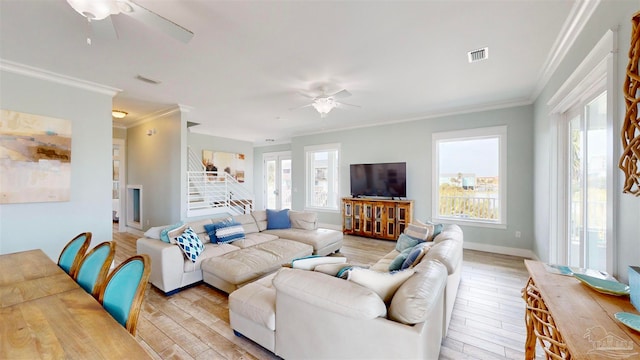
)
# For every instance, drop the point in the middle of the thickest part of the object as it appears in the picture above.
(323, 178)
(469, 183)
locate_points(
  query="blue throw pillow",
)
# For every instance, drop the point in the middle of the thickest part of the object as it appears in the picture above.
(164, 234)
(190, 244)
(278, 219)
(396, 263)
(405, 242)
(415, 255)
(211, 231)
(228, 231)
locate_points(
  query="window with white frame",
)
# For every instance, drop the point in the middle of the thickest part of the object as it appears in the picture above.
(322, 177)
(469, 176)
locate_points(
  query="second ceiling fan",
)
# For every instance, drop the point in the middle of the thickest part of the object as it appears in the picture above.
(324, 102)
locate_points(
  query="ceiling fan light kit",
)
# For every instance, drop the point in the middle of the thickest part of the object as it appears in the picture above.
(324, 105)
(324, 102)
(94, 9)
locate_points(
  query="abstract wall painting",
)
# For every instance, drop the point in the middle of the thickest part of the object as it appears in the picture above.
(231, 163)
(35, 158)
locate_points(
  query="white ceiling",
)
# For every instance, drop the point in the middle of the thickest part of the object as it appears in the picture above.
(244, 68)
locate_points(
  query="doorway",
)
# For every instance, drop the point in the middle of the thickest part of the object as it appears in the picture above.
(277, 180)
(118, 180)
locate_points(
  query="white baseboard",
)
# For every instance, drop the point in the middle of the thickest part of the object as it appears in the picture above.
(525, 253)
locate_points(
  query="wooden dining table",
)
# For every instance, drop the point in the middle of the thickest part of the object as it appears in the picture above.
(44, 313)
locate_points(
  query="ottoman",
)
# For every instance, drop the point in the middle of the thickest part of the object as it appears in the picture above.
(232, 270)
(252, 312)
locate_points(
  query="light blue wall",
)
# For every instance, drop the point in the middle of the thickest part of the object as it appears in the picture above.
(49, 226)
(155, 162)
(410, 142)
(609, 15)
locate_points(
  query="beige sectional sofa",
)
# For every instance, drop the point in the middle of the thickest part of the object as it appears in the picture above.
(300, 314)
(229, 266)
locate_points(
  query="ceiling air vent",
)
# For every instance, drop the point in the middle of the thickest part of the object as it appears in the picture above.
(148, 80)
(478, 55)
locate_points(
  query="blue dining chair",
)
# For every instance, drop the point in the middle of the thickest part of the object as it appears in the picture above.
(73, 252)
(124, 290)
(94, 267)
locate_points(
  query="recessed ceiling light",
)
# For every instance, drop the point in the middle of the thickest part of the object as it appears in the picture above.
(118, 114)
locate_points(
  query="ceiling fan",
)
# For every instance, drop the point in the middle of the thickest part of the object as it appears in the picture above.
(98, 14)
(324, 102)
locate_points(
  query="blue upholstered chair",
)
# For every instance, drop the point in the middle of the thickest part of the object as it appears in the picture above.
(94, 267)
(73, 252)
(124, 290)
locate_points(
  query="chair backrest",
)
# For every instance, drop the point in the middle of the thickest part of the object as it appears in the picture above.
(94, 267)
(73, 252)
(124, 290)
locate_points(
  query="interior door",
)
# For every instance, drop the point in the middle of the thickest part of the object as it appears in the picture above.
(277, 180)
(118, 181)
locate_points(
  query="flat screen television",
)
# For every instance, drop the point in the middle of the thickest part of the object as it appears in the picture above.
(382, 179)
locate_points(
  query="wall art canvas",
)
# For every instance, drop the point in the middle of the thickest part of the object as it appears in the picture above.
(35, 158)
(231, 163)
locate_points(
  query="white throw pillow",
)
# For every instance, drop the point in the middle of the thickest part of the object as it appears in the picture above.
(309, 263)
(383, 283)
(154, 232)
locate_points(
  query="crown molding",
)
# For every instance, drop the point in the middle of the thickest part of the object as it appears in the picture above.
(42, 74)
(433, 115)
(160, 113)
(578, 17)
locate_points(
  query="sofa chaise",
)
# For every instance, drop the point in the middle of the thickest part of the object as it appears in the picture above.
(308, 314)
(228, 266)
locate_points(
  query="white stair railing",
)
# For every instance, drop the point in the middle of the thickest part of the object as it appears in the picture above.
(213, 192)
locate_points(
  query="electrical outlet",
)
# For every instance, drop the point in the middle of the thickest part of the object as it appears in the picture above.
(518, 234)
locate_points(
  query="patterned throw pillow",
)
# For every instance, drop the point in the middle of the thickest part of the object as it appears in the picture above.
(190, 244)
(229, 231)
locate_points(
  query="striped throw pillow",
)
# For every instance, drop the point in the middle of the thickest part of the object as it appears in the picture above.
(230, 231)
(419, 232)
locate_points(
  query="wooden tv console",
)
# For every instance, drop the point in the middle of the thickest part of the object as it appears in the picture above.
(376, 218)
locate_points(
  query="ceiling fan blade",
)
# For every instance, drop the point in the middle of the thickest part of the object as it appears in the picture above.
(158, 22)
(300, 107)
(307, 95)
(340, 103)
(104, 29)
(340, 94)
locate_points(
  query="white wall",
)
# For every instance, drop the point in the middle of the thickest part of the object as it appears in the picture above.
(50, 226)
(608, 15)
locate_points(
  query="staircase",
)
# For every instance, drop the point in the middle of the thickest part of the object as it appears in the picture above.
(214, 192)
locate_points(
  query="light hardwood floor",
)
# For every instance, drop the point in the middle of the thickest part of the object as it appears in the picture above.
(487, 320)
